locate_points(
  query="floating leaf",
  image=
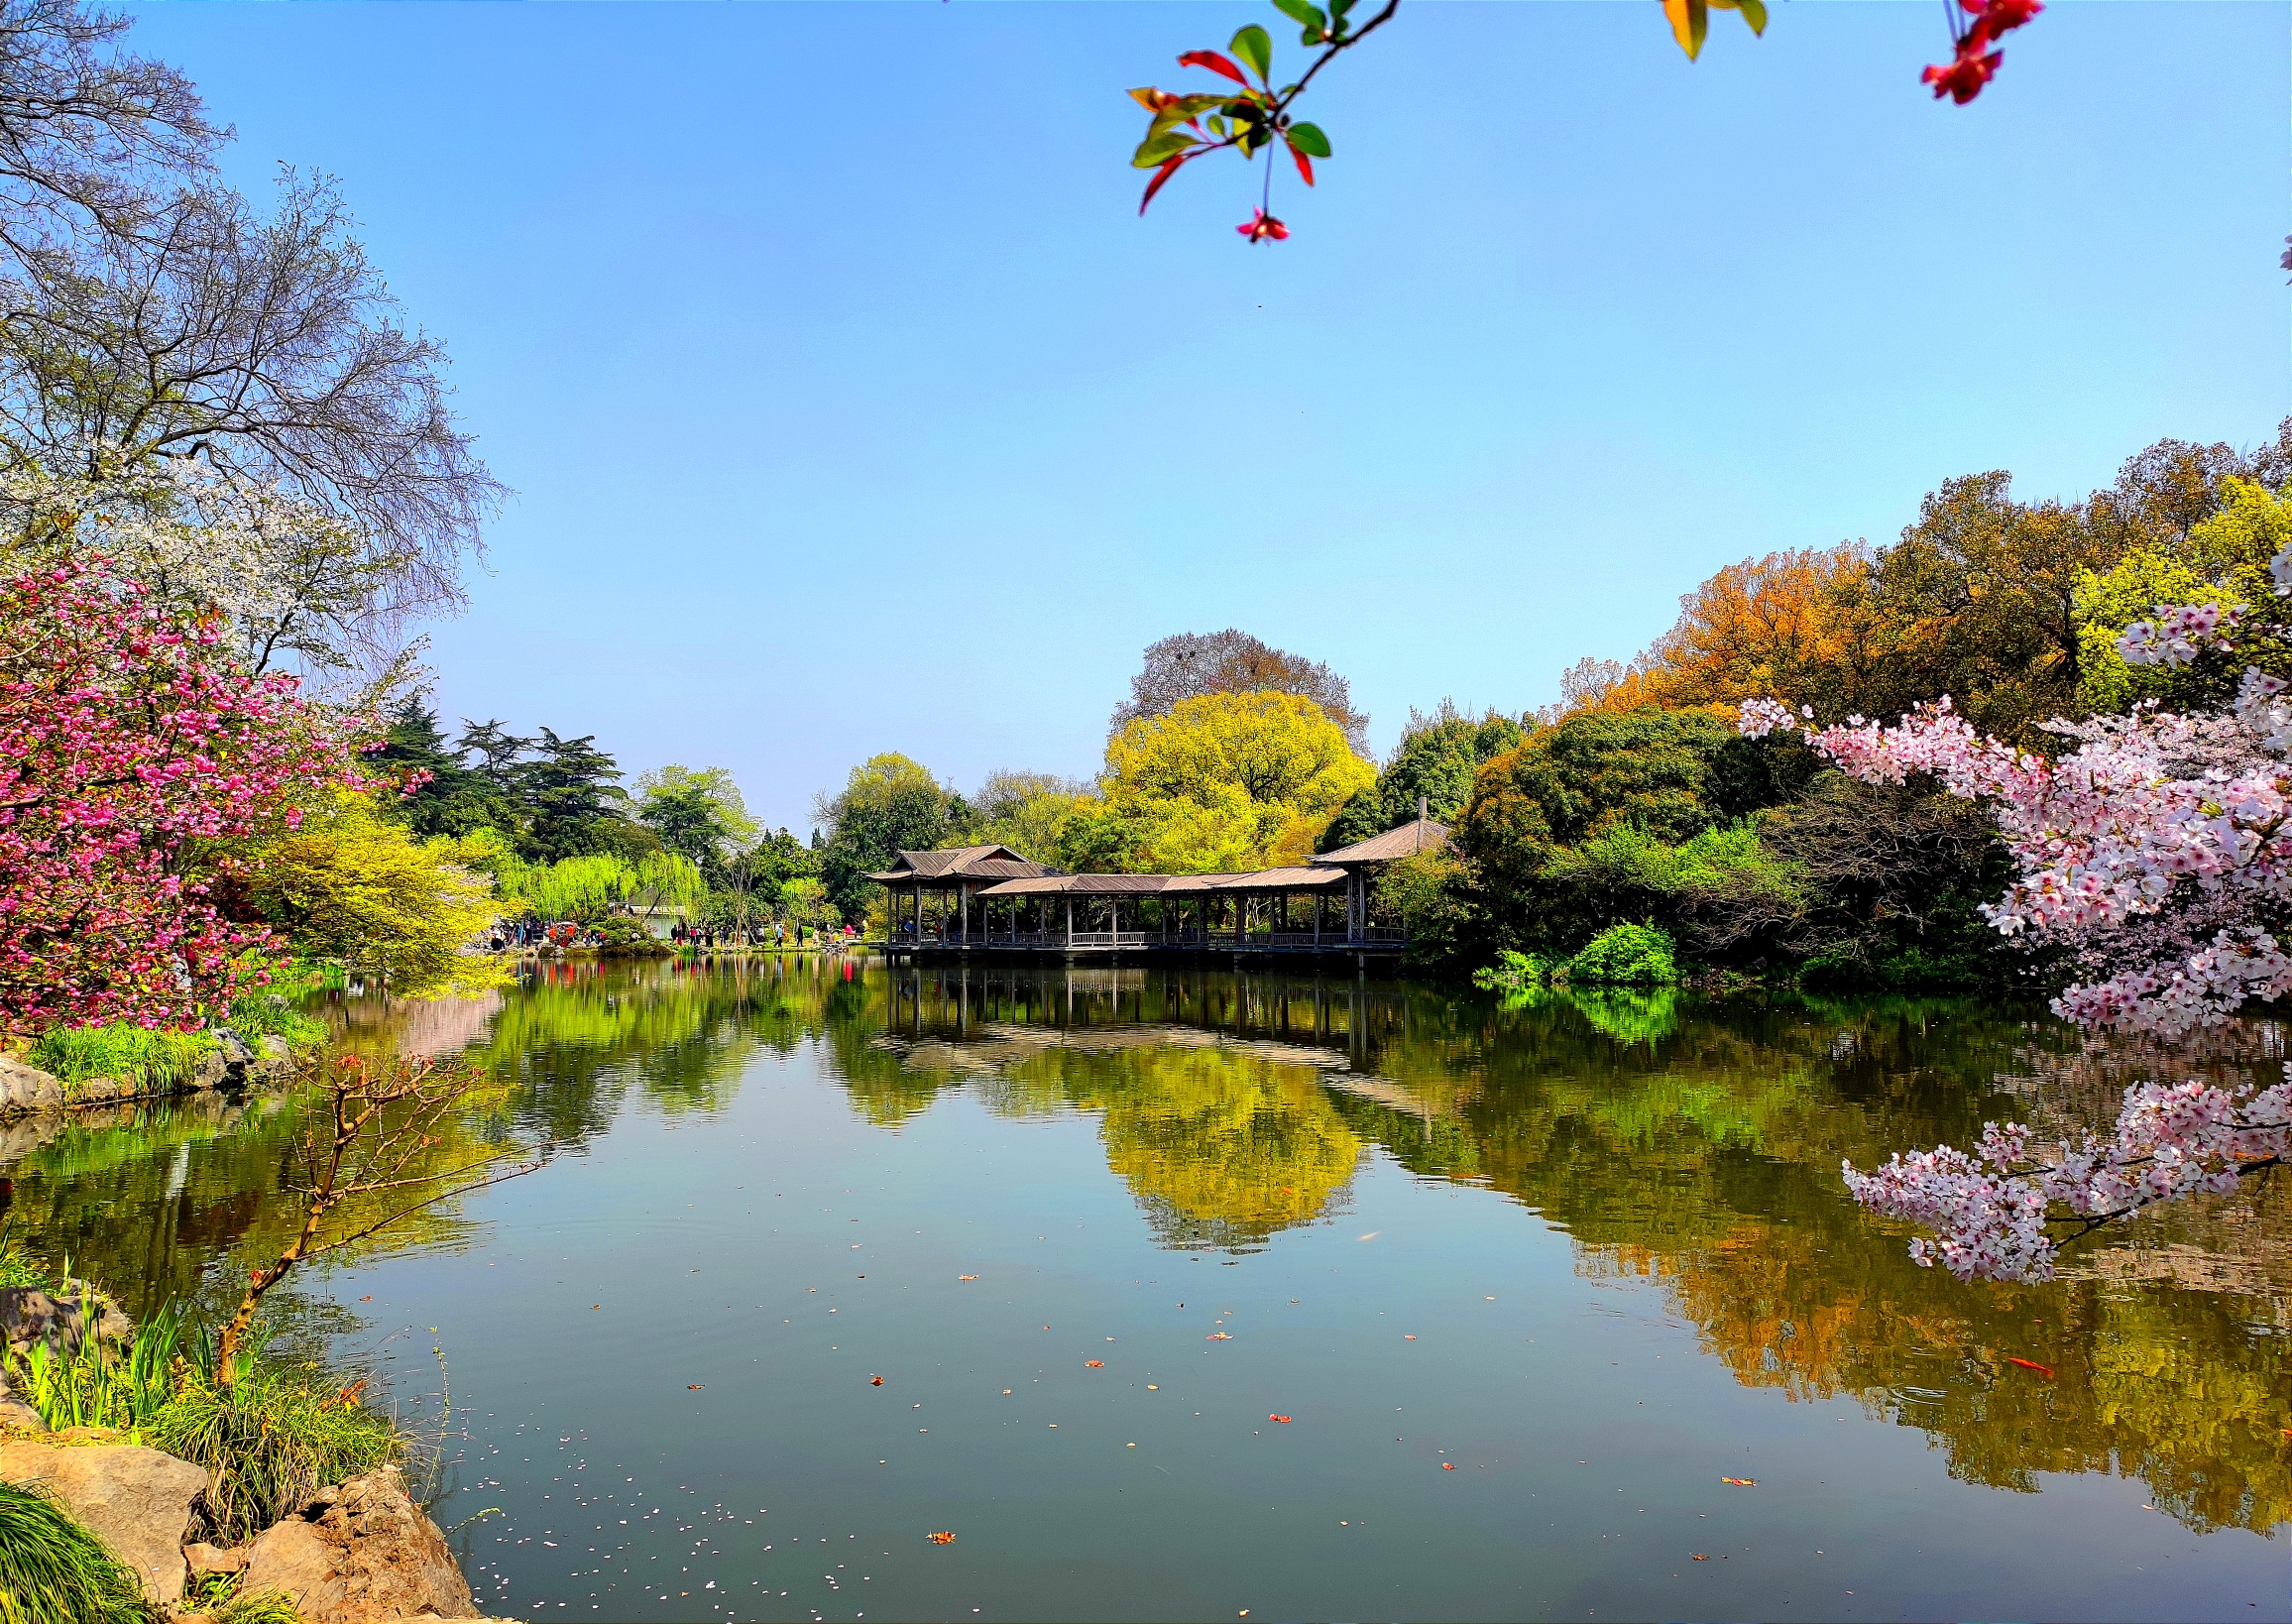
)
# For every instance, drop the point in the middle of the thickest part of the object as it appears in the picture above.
(1283, 1420)
(692, 1386)
(1697, 1556)
(1741, 1482)
(973, 1276)
(1214, 63)
(1255, 46)
(1448, 1467)
(2044, 1370)
(1094, 1365)
(1218, 1337)
(943, 1538)
(875, 1381)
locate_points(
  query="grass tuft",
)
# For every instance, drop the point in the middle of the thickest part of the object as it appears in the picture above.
(136, 1053)
(54, 1571)
(258, 1607)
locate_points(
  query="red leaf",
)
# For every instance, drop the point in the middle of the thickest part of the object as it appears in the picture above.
(1214, 63)
(2044, 1370)
(1168, 168)
(1283, 1420)
(1305, 163)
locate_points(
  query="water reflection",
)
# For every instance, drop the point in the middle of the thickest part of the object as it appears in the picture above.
(1690, 1145)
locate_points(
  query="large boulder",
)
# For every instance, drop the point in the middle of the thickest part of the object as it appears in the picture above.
(361, 1551)
(137, 1501)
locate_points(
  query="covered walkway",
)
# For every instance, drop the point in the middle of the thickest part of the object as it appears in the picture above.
(989, 900)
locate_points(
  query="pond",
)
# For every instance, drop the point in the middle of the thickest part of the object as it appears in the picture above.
(1197, 1294)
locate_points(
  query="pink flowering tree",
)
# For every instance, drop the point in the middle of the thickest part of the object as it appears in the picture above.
(1254, 112)
(130, 744)
(2156, 856)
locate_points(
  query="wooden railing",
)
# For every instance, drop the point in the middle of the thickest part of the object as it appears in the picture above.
(1212, 941)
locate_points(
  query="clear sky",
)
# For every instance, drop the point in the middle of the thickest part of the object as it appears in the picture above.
(850, 407)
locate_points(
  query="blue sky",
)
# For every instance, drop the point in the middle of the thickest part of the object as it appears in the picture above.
(850, 407)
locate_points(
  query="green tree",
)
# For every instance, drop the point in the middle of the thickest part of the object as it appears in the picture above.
(1434, 762)
(352, 886)
(1224, 781)
(452, 799)
(699, 814)
(572, 796)
(889, 804)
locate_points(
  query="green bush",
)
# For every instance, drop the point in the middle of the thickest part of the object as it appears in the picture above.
(54, 1571)
(1515, 971)
(1626, 956)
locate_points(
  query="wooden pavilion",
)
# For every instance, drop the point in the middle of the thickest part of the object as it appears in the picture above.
(1322, 907)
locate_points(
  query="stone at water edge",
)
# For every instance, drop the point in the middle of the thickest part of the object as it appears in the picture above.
(27, 1087)
(367, 1552)
(137, 1501)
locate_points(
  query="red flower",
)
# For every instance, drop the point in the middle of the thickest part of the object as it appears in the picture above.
(1995, 19)
(1261, 224)
(1963, 79)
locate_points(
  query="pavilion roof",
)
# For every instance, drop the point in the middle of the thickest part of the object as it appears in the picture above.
(1263, 879)
(959, 863)
(1417, 834)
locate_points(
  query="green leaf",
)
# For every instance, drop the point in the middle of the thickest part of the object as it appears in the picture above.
(1754, 13)
(1155, 149)
(1217, 126)
(1315, 25)
(1308, 138)
(1255, 46)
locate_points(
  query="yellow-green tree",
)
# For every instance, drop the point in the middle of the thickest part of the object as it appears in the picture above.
(1221, 782)
(352, 886)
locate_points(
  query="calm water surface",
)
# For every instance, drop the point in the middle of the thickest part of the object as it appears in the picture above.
(1527, 1282)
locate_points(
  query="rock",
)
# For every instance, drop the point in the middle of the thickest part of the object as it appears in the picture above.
(231, 1047)
(95, 1090)
(369, 1553)
(15, 1413)
(27, 1087)
(29, 1315)
(274, 1047)
(212, 1072)
(212, 1561)
(137, 1501)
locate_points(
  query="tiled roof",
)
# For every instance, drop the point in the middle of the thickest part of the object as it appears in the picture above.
(1418, 834)
(1263, 879)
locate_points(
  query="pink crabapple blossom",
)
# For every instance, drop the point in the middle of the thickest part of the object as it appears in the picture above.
(132, 751)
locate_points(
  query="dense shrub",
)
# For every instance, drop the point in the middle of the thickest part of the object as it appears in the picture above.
(1626, 956)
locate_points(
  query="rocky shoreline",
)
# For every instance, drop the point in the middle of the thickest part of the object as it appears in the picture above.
(25, 1090)
(361, 1551)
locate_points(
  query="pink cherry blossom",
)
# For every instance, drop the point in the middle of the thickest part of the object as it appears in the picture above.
(2154, 854)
